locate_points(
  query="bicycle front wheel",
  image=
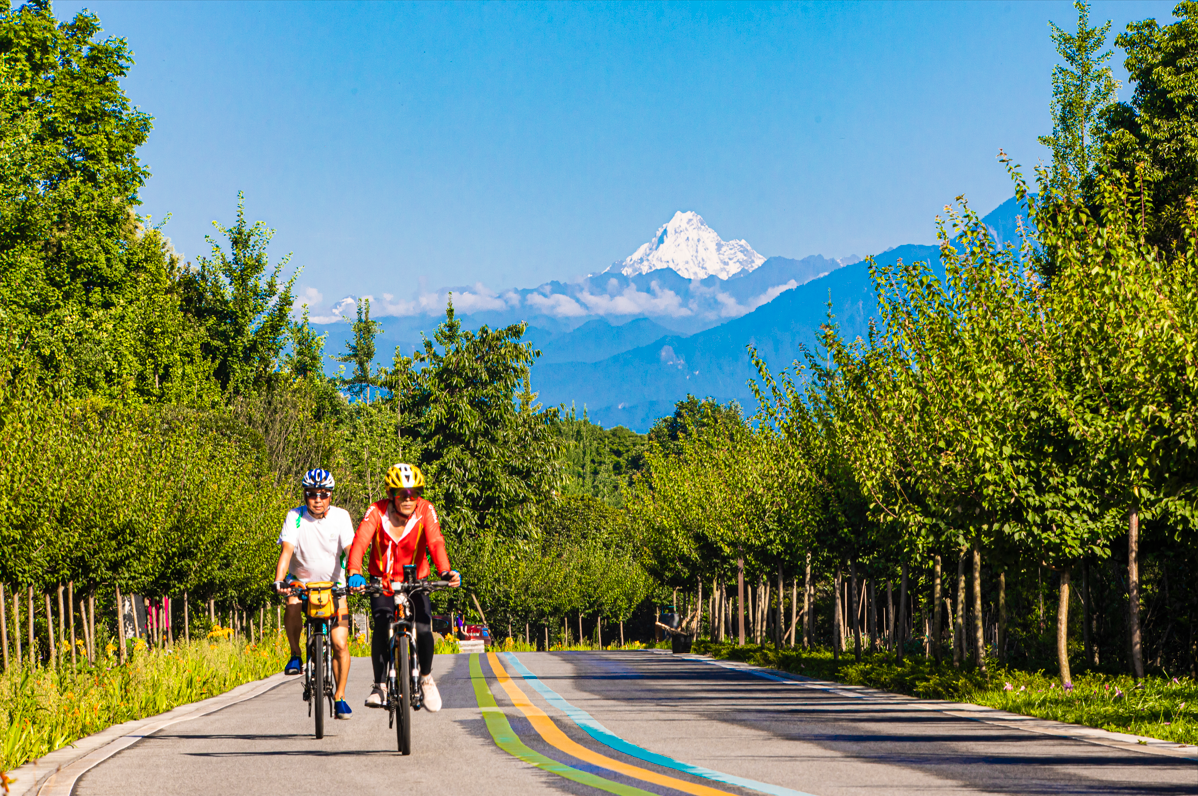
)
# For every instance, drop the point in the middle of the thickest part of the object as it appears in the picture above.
(403, 711)
(317, 662)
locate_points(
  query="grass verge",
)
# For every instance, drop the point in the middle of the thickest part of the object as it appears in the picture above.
(43, 709)
(1158, 707)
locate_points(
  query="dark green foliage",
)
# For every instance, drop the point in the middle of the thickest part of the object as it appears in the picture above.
(85, 289)
(246, 318)
(489, 460)
(599, 462)
(1152, 139)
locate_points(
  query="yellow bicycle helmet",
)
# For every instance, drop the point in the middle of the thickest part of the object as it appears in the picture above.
(404, 476)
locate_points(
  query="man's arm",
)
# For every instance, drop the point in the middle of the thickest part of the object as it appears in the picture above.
(284, 561)
(435, 541)
(362, 540)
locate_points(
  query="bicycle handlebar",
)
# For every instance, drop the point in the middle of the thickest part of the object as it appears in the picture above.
(397, 586)
(298, 590)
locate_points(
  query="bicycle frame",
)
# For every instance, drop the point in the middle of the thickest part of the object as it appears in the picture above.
(404, 691)
(318, 668)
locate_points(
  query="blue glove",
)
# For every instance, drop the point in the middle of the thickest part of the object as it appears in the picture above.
(357, 581)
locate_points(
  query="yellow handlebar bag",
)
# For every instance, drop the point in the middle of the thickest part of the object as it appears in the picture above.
(320, 600)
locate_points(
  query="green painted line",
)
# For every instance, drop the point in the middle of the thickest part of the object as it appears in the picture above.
(507, 740)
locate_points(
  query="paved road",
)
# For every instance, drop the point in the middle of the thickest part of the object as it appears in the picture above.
(624, 723)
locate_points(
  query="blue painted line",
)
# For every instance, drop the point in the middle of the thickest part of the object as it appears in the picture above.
(608, 738)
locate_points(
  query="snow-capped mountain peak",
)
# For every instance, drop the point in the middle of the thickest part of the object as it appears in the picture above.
(691, 248)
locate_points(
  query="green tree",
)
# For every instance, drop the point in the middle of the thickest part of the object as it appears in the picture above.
(1081, 90)
(86, 289)
(306, 357)
(245, 317)
(1151, 139)
(491, 457)
(359, 351)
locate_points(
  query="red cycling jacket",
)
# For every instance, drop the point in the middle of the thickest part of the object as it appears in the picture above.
(394, 541)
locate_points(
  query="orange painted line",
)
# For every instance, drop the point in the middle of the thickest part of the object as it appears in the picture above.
(553, 735)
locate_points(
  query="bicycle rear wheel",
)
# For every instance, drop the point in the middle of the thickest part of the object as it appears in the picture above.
(403, 711)
(316, 661)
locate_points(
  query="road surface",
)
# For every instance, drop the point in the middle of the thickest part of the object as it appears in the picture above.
(624, 723)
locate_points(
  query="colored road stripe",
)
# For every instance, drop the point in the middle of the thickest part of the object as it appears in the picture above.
(507, 740)
(605, 736)
(553, 735)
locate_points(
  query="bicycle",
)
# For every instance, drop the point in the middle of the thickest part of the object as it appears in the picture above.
(320, 608)
(404, 691)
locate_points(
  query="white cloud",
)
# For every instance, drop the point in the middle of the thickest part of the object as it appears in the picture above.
(634, 302)
(343, 307)
(558, 305)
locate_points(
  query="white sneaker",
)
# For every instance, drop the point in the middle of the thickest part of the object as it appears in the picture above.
(376, 698)
(432, 697)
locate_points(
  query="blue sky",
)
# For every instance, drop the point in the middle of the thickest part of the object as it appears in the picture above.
(399, 147)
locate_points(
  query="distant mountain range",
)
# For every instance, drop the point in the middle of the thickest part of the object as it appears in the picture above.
(640, 341)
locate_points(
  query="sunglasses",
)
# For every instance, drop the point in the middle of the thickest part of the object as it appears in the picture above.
(404, 494)
(314, 495)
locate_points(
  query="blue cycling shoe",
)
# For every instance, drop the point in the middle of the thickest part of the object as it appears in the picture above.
(294, 666)
(341, 709)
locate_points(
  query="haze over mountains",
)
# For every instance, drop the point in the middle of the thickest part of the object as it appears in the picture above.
(673, 318)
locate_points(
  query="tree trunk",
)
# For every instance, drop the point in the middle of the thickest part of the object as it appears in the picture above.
(889, 615)
(901, 619)
(16, 623)
(979, 639)
(959, 619)
(853, 610)
(794, 612)
(4, 626)
(873, 615)
(781, 626)
(120, 623)
(1087, 641)
(1063, 629)
(1133, 593)
(937, 617)
(52, 659)
(1002, 618)
(32, 632)
(740, 599)
(698, 614)
(186, 618)
(71, 602)
(91, 626)
(1040, 596)
(62, 618)
(837, 630)
(808, 594)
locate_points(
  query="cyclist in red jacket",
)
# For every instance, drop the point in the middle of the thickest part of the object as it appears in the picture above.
(401, 529)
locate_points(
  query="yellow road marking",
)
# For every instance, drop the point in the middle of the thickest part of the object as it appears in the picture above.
(558, 739)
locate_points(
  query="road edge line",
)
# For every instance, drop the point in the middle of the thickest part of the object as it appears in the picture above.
(969, 710)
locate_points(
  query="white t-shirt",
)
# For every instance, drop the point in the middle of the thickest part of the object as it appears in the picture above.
(320, 545)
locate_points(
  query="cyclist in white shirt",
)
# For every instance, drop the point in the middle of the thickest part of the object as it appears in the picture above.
(315, 540)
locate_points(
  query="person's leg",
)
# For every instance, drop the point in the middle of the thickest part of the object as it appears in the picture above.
(339, 636)
(422, 613)
(382, 608)
(293, 623)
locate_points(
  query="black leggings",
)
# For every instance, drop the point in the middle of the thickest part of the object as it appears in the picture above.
(383, 608)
